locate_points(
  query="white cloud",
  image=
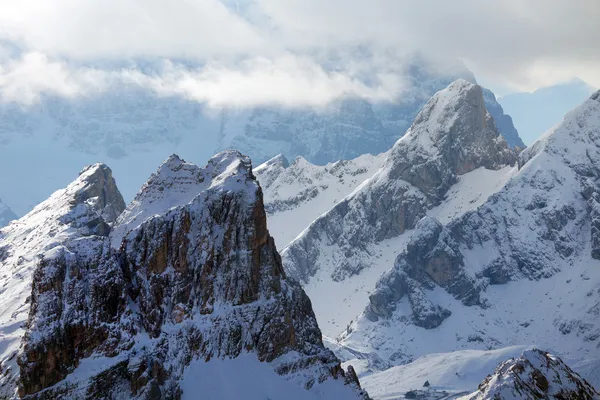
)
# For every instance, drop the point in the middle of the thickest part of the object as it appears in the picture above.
(96, 29)
(25, 79)
(247, 52)
(288, 81)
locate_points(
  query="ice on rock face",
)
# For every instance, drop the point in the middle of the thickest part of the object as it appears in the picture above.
(187, 274)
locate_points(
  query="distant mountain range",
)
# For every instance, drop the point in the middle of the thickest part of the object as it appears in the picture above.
(131, 126)
(416, 271)
(534, 113)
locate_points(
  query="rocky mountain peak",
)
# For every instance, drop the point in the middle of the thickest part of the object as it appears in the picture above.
(271, 169)
(535, 375)
(74, 219)
(452, 135)
(230, 162)
(187, 275)
(95, 191)
(176, 182)
(280, 160)
(540, 230)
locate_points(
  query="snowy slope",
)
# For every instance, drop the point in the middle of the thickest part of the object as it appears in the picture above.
(6, 214)
(522, 268)
(345, 251)
(457, 372)
(246, 378)
(297, 193)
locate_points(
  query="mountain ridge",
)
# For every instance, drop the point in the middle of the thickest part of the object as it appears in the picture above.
(194, 279)
(519, 269)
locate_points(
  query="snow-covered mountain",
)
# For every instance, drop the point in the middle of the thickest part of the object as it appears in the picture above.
(534, 375)
(452, 141)
(6, 214)
(479, 374)
(183, 293)
(296, 194)
(534, 113)
(522, 268)
(85, 208)
(129, 125)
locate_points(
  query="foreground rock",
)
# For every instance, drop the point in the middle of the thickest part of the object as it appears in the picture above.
(188, 273)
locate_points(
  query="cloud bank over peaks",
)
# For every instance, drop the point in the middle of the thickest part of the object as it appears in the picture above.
(288, 81)
(295, 53)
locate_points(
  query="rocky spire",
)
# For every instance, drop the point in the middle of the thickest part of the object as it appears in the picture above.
(195, 277)
(65, 223)
(452, 135)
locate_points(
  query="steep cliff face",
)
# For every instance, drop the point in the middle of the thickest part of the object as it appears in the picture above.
(504, 122)
(74, 219)
(452, 136)
(522, 268)
(535, 375)
(187, 274)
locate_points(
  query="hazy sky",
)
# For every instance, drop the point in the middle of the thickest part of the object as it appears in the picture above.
(249, 52)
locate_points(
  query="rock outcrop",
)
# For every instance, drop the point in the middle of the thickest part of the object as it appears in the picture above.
(432, 258)
(535, 375)
(503, 121)
(188, 272)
